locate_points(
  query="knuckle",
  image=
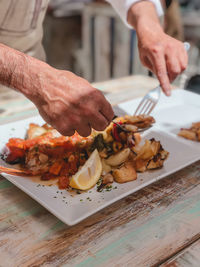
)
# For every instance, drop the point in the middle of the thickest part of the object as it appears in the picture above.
(65, 131)
(183, 66)
(103, 125)
(176, 71)
(157, 49)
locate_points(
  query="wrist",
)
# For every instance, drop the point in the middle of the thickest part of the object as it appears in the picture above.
(141, 13)
(34, 77)
(22, 72)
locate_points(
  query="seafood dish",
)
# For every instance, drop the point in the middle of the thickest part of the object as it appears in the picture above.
(116, 154)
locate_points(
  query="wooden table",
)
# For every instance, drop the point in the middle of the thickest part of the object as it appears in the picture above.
(159, 225)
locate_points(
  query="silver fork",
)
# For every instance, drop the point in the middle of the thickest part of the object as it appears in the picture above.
(150, 100)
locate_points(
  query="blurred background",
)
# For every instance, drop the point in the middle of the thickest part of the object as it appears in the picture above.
(88, 38)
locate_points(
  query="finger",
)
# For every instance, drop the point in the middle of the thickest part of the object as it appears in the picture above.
(64, 127)
(106, 109)
(99, 122)
(147, 63)
(84, 130)
(45, 117)
(160, 69)
(67, 132)
(183, 59)
(173, 67)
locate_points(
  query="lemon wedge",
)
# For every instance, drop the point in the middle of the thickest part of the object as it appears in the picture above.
(89, 174)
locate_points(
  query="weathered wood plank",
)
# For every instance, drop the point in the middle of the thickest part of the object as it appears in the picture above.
(187, 257)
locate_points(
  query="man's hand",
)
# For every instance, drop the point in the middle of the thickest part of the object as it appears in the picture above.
(160, 53)
(69, 103)
(64, 100)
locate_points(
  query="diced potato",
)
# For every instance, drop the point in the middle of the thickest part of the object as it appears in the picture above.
(188, 134)
(141, 165)
(137, 138)
(146, 151)
(35, 130)
(105, 167)
(107, 178)
(118, 158)
(125, 173)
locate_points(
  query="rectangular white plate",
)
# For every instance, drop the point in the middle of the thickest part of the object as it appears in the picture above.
(72, 210)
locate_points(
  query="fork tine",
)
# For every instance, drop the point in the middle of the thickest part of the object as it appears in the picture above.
(139, 106)
(148, 103)
(148, 106)
(151, 108)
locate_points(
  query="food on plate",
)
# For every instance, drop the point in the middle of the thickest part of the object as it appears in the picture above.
(88, 175)
(125, 173)
(150, 156)
(192, 133)
(115, 154)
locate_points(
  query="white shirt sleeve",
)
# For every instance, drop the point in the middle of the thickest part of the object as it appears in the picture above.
(122, 7)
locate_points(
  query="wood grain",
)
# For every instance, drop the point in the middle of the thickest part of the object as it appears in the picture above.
(189, 256)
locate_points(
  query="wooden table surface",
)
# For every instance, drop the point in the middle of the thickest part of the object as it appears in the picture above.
(157, 226)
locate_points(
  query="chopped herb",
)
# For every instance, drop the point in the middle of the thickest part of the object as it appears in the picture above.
(55, 197)
(108, 188)
(38, 185)
(81, 199)
(115, 187)
(78, 192)
(98, 143)
(100, 189)
(99, 181)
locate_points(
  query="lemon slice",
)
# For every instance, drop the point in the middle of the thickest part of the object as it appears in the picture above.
(89, 174)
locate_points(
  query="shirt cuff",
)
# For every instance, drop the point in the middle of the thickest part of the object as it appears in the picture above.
(122, 7)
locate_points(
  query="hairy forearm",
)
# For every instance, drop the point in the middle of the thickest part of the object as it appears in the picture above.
(20, 71)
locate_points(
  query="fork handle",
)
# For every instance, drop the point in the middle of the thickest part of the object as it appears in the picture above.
(186, 46)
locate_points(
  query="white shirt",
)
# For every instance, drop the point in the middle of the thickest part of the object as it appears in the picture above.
(122, 7)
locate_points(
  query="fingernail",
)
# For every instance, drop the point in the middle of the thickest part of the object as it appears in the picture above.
(168, 92)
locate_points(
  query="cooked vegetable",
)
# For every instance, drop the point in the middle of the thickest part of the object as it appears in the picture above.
(107, 179)
(150, 156)
(118, 158)
(125, 173)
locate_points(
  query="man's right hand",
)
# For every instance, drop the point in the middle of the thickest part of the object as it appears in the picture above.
(69, 103)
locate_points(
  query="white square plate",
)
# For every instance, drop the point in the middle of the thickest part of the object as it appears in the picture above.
(72, 210)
